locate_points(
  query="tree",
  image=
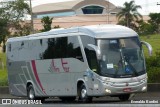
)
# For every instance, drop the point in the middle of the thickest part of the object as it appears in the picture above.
(56, 27)
(155, 21)
(122, 21)
(3, 32)
(3, 25)
(19, 8)
(22, 29)
(144, 28)
(47, 22)
(150, 27)
(11, 16)
(129, 13)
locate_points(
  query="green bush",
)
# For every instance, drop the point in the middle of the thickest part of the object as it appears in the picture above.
(3, 71)
(3, 82)
(154, 75)
(153, 68)
(3, 77)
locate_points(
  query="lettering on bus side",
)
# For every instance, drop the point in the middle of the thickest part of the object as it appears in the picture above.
(66, 69)
(53, 67)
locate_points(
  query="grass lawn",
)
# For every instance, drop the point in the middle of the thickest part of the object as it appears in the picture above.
(154, 40)
(3, 71)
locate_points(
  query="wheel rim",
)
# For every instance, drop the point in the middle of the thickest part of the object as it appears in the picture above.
(31, 94)
(83, 93)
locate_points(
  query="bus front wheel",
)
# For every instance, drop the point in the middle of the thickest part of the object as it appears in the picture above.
(83, 94)
(124, 97)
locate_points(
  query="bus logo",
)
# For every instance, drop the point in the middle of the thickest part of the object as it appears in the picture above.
(6, 101)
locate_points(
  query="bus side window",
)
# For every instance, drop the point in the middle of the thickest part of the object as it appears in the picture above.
(63, 47)
(49, 49)
(9, 47)
(40, 41)
(56, 48)
(22, 44)
(73, 48)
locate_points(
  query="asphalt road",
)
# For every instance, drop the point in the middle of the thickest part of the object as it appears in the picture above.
(150, 99)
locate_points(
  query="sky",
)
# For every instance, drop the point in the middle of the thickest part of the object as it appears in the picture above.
(148, 6)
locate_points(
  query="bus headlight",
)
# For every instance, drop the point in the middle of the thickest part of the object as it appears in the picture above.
(144, 88)
(108, 91)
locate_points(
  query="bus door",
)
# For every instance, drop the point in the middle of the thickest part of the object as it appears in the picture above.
(93, 68)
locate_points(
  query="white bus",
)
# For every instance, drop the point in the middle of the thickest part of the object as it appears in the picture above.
(79, 62)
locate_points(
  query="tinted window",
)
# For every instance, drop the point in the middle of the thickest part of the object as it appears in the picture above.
(41, 41)
(90, 52)
(74, 49)
(60, 47)
(64, 47)
(57, 48)
(9, 47)
(92, 10)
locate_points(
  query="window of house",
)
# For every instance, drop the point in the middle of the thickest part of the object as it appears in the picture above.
(92, 10)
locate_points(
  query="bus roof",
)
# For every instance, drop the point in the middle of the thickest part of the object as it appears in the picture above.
(96, 31)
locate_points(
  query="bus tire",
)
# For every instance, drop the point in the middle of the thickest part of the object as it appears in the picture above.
(83, 94)
(124, 97)
(31, 92)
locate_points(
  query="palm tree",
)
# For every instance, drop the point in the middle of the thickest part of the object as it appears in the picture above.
(47, 22)
(129, 12)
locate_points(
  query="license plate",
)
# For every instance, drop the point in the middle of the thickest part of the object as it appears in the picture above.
(127, 90)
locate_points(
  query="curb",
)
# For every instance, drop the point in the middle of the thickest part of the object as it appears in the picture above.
(152, 87)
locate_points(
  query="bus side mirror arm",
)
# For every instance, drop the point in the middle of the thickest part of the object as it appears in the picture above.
(148, 46)
(97, 50)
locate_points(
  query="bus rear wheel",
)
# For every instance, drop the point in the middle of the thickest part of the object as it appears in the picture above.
(124, 97)
(83, 94)
(31, 93)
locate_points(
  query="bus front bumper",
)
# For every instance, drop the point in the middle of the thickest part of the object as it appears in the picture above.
(127, 89)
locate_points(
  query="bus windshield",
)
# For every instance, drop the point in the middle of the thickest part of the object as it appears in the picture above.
(121, 57)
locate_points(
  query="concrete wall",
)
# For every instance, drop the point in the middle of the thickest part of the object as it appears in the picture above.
(81, 20)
